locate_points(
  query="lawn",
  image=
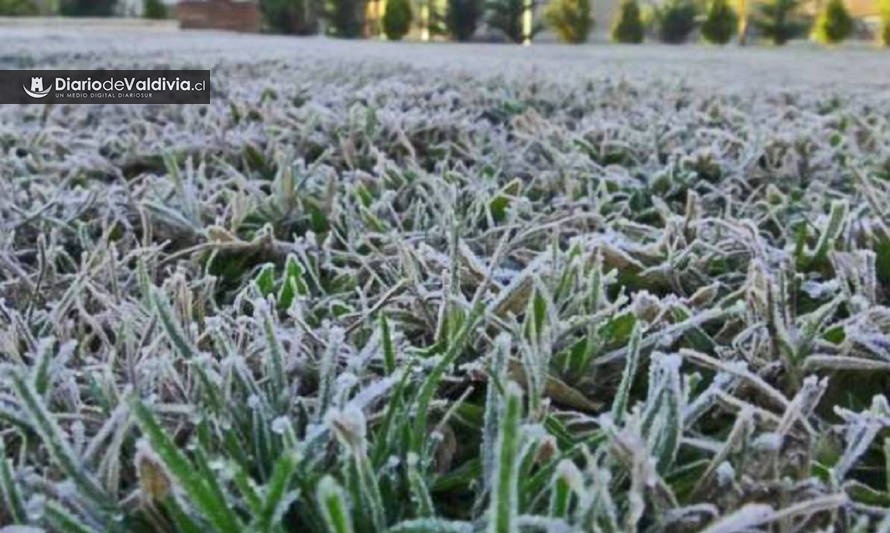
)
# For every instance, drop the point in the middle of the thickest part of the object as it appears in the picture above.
(433, 287)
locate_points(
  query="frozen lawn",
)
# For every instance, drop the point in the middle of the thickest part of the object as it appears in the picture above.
(436, 287)
(854, 67)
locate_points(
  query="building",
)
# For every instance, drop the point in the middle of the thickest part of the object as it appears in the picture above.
(232, 15)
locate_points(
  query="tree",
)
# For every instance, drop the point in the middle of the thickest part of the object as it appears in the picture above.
(17, 8)
(506, 16)
(570, 19)
(884, 30)
(462, 18)
(720, 22)
(154, 9)
(778, 22)
(297, 17)
(397, 19)
(628, 27)
(675, 20)
(834, 23)
(347, 18)
(87, 8)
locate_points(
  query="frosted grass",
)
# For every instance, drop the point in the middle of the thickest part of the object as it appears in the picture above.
(403, 288)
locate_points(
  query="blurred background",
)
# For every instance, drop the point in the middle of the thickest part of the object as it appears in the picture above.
(744, 22)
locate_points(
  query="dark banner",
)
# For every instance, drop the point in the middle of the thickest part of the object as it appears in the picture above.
(104, 86)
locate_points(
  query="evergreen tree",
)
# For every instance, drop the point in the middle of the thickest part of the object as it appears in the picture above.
(17, 8)
(570, 19)
(506, 16)
(628, 27)
(297, 17)
(87, 8)
(720, 23)
(778, 20)
(154, 9)
(347, 18)
(676, 20)
(834, 23)
(397, 19)
(462, 18)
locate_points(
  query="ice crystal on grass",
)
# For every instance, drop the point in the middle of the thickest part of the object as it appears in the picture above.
(359, 294)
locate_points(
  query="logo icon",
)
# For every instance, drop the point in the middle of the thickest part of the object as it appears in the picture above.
(37, 90)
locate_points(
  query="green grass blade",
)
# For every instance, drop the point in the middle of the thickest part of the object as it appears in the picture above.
(276, 355)
(561, 490)
(218, 512)
(389, 353)
(419, 492)
(53, 438)
(171, 325)
(619, 405)
(831, 232)
(44, 358)
(493, 406)
(428, 388)
(182, 521)
(504, 505)
(12, 498)
(277, 499)
(60, 519)
(333, 506)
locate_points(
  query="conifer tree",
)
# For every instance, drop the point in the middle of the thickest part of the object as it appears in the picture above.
(720, 23)
(628, 26)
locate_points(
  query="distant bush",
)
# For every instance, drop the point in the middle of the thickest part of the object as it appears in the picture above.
(570, 19)
(721, 22)
(506, 16)
(778, 20)
(154, 9)
(17, 8)
(462, 18)
(347, 18)
(884, 30)
(397, 19)
(834, 23)
(87, 8)
(628, 27)
(296, 17)
(675, 21)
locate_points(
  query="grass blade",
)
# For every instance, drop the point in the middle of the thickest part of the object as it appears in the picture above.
(333, 505)
(217, 511)
(504, 505)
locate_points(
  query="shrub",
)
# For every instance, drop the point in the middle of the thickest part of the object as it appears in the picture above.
(778, 21)
(628, 27)
(462, 18)
(297, 17)
(154, 9)
(834, 23)
(506, 16)
(570, 19)
(397, 19)
(720, 22)
(87, 8)
(884, 29)
(675, 20)
(17, 8)
(347, 18)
